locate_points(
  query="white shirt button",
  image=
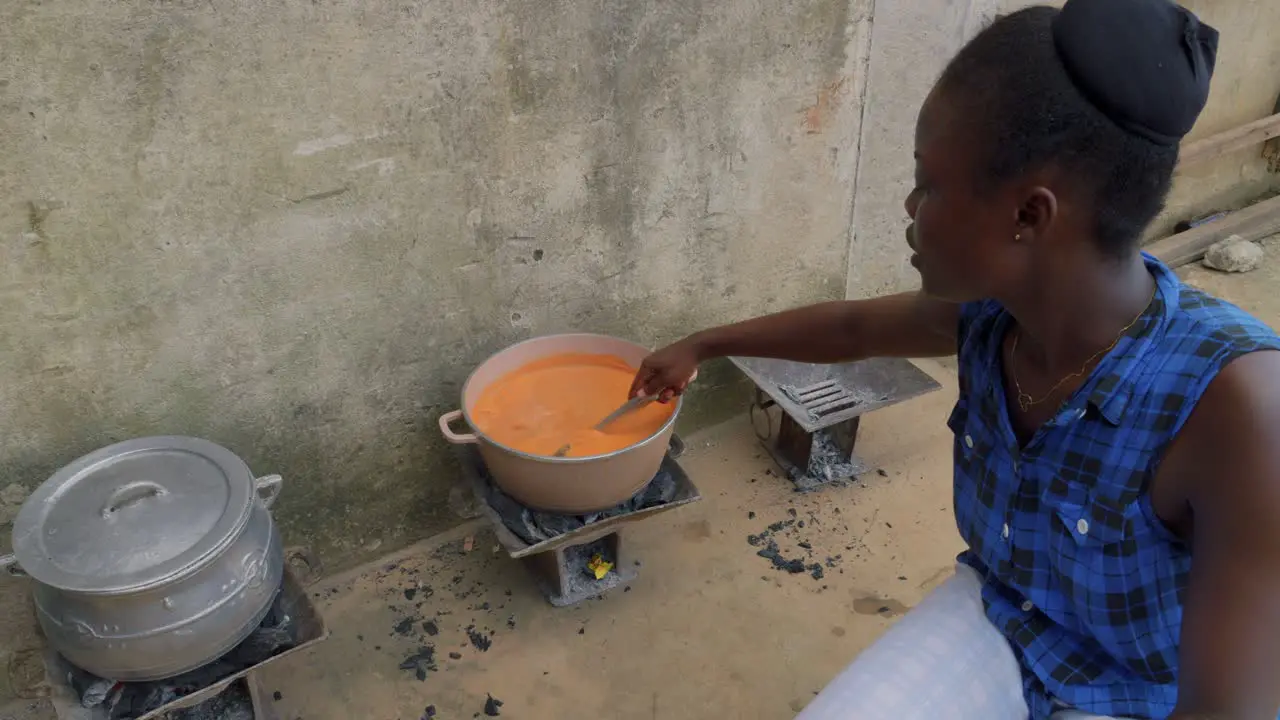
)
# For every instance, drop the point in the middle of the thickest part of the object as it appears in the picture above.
(1004, 531)
(1082, 526)
(968, 440)
(1027, 606)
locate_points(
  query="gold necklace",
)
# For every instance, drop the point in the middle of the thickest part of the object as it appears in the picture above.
(1025, 401)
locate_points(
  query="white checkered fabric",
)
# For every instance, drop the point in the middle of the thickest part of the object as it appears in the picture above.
(942, 661)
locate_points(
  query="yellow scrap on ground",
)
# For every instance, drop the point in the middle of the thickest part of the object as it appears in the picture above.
(599, 566)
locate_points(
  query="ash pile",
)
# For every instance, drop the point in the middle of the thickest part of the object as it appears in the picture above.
(535, 526)
(278, 632)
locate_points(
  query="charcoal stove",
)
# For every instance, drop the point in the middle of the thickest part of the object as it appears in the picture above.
(195, 694)
(807, 416)
(558, 549)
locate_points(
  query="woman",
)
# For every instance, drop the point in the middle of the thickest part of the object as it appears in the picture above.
(1117, 452)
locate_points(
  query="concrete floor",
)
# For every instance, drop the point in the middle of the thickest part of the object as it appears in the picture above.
(708, 629)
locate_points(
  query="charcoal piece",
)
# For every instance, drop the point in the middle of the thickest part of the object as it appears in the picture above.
(491, 706)
(771, 553)
(660, 491)
(421, 662)
(112, 700)
(431, 628)
(515, 516)
(139, 699)
(478, 639)
(91, 689)
(233, 703)
(554, 525)
(261, 644)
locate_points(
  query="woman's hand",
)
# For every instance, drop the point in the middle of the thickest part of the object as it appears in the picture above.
(668, 372)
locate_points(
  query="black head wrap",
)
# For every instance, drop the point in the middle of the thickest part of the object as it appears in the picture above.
(1146, 64)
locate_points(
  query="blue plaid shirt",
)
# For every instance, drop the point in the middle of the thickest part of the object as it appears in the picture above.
(1080, 575)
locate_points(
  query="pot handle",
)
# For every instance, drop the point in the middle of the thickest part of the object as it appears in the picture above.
(446, 420)
(10, 563)
(268, 489)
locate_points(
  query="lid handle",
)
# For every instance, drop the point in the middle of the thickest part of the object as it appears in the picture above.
(269, 489)
(131, 494)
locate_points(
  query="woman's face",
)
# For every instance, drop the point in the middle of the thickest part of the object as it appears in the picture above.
(961, 237)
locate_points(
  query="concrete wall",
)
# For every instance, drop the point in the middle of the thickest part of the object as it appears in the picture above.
(1245, 87)
(294, 226)
(911, 43)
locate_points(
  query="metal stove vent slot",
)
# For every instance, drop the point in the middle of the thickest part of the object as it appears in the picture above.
(821, 399)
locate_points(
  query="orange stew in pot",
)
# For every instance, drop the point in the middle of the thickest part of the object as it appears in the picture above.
(557, 400)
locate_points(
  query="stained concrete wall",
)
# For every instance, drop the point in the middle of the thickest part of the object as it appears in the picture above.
(1245, 87)
(911, 43)
(294, 226)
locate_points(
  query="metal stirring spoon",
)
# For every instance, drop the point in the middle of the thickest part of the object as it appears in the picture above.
(634, 403)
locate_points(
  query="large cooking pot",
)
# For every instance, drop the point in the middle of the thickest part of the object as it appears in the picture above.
(150, 557)
(571, 485)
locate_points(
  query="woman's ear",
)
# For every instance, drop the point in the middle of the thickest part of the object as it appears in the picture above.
(1036, 212)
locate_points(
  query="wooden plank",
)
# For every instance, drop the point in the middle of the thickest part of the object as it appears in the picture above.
(1238, 138)
(1255, 222)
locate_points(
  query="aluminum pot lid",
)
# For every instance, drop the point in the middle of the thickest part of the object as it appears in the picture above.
(133, 515)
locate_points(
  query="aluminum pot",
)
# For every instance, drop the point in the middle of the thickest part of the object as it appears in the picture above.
(572, 485)
(150, 557)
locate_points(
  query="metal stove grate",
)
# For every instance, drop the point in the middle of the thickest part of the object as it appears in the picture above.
(823, 398)
(812, 434)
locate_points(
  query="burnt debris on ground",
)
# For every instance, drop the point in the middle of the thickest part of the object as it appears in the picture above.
(534, 526)
(421, 662)
(479, 640)
(277, 633)
(803, 559)
(432, 637)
